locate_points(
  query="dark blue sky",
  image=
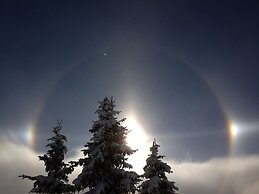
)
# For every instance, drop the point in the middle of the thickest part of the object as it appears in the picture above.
(185, 68)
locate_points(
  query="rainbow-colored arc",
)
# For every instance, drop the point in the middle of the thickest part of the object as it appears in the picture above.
(230, 131)
(33, 127)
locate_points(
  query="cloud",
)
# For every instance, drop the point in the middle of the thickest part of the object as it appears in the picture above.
(16, 159)
(238, 175)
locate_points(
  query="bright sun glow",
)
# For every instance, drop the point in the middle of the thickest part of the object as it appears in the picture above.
(234, 130)
(137, 139)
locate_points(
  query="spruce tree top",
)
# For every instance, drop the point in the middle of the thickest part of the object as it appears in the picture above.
(155, 171)
(105, 155)
(154, 166)
(56, 181)
(109, 137)
(54, 159)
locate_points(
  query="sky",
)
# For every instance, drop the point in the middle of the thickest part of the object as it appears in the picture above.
(183, 72)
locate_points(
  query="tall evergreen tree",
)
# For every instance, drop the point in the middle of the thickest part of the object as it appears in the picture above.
(105, 156)
(56, 180)
(156, 181)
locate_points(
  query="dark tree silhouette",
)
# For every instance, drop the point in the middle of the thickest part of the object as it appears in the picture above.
(156, 181)
(105, 156)
(56, 180)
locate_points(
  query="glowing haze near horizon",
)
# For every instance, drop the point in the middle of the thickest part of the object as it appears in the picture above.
(185, 73)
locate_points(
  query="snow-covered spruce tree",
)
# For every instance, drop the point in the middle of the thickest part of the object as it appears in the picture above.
(105, 156)
(156, 181)
(56, 180)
